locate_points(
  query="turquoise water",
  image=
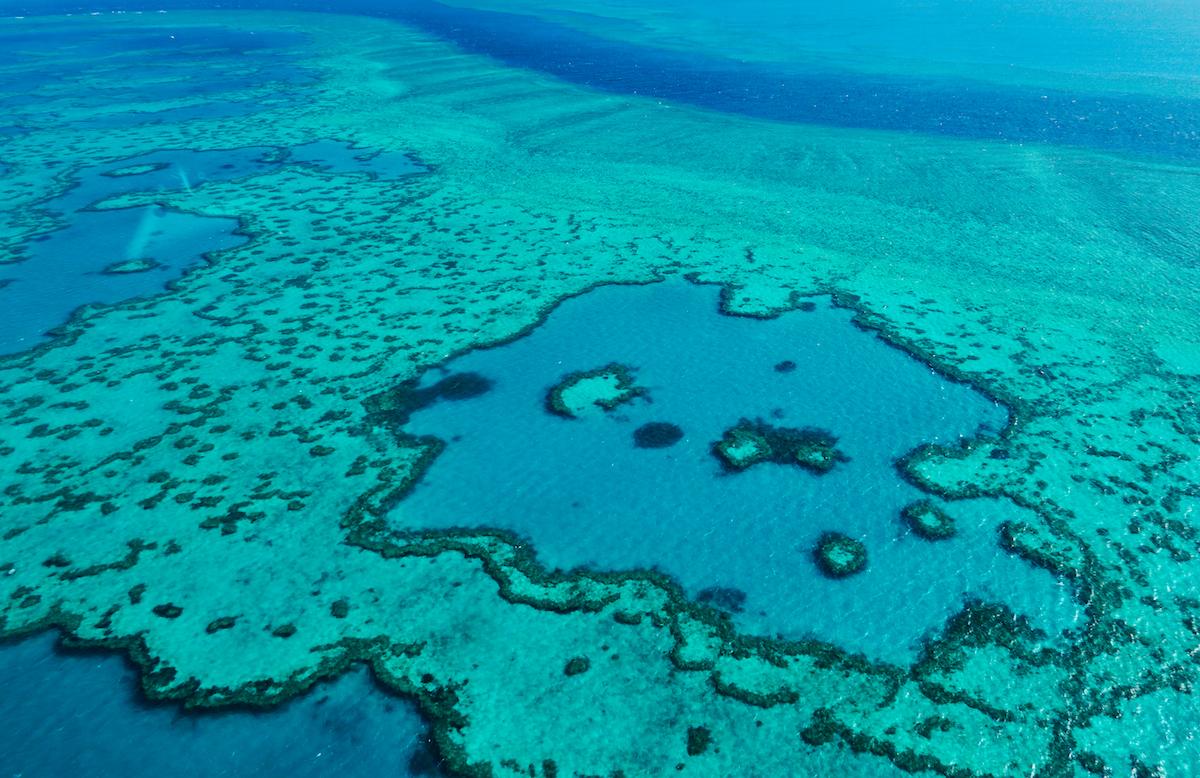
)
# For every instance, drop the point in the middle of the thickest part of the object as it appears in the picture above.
(584, 495)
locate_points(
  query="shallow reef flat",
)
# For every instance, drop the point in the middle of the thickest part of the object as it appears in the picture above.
(168, 461)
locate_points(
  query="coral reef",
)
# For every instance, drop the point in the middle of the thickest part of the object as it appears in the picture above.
(751, 442)
(698, 740)
(128, 266)
(839, 556)
(135, 170)
(398, 403)
(927, 520)
(252, 378)
(605, 388)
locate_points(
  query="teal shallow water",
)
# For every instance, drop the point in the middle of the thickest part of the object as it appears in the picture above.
(584, 495)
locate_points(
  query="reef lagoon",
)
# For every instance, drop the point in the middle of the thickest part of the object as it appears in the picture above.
(583, 388)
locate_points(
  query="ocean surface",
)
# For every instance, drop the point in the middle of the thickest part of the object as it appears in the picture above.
(287, 291)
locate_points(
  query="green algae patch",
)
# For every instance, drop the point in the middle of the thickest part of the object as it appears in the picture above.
(839, 556)
(752, 442)
(605, 388)
(927, 520)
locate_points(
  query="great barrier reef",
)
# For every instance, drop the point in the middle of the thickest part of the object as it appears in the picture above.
(599, 389)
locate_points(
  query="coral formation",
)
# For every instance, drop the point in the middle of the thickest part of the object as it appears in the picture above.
(605, 388)
(128, 266)
(751, 442)
(839, 556)
(927, 520)
(698, 740)
(135, 170)
(395, 405)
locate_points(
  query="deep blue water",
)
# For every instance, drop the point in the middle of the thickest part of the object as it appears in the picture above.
(65, 270)
(81, 714)
(585, 496)
(954, 107)
(945, 107)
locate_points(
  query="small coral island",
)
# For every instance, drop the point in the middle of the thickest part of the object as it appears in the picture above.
(928, 521)
(605, 388)
(130, 266)
(839, 556)
(751, 442)
(135, 170)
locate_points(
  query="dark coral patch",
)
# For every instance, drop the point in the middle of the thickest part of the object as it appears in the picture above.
(786, 366)
(751, 442)
(167, 611)
(657, 434)
(698, 740)
(462, 386)
(219, 624)
(396, 405)
(131, 266)
(839, 556)
(928, 521)
(135, 170)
